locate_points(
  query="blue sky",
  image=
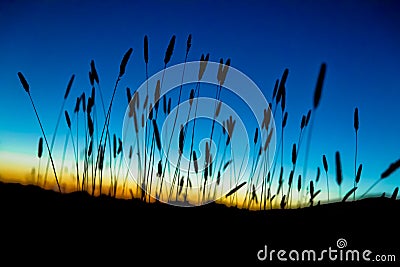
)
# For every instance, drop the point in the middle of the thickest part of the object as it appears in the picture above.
(50, 40)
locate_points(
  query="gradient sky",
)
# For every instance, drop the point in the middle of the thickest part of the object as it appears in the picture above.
(48, 40)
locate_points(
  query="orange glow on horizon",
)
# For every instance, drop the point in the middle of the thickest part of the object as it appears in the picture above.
(13, 172)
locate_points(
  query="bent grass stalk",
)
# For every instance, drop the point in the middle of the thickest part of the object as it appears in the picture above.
(25, 85)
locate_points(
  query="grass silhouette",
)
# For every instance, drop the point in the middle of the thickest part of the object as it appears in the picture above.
(25, 85)
(103, 151)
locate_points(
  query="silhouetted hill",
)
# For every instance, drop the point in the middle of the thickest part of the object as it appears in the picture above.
(44, 223)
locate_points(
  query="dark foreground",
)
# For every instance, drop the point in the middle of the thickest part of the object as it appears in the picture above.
(44, 226)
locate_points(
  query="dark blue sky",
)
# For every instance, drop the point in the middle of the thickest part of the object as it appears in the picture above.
(359, 41)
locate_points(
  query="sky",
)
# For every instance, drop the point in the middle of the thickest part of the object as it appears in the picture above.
(49, 40)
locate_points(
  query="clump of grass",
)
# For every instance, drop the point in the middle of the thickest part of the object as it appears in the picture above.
(25, 85)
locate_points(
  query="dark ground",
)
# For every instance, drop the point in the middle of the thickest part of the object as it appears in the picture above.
(37, 225)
